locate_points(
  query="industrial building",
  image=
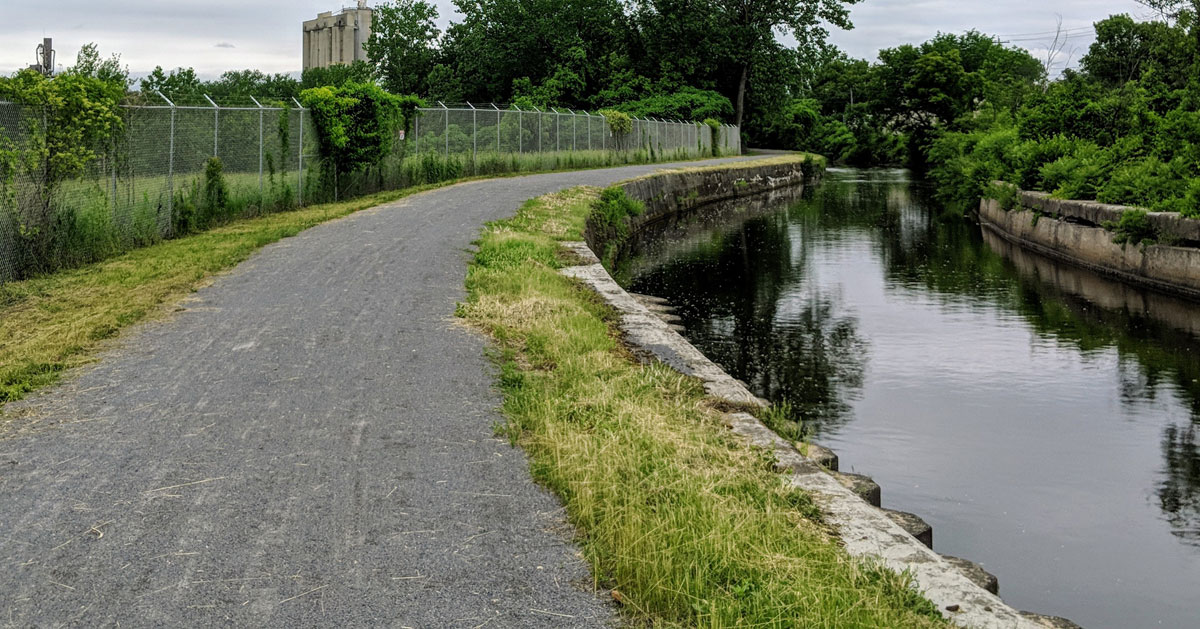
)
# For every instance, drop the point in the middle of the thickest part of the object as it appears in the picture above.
(332, 39)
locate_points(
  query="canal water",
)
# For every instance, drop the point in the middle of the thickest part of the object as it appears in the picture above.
(1042, 418)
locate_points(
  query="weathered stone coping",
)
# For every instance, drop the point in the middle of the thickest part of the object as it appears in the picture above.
(866, 531)
(670, 192)
(1096, 214)
(1162, 267)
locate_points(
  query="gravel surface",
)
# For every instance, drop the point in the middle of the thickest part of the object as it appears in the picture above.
(308, 443)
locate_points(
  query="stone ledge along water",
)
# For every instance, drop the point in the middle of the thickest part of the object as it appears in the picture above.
(963, 590)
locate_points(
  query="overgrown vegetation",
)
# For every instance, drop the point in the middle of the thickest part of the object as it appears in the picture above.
(1122, 129)
(64, 125)
(685, 524)
(1133, 227)
(357, 124)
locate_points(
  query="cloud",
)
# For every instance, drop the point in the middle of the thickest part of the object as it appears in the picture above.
(224, 44)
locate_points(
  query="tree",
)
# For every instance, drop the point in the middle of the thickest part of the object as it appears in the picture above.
(1125, 50)
(178, 82)
(239, 85)
(338, 74)
(750, 26)
(403, 44)
(67, 122)
(565, 48)
(88, 63)
(1180, 10)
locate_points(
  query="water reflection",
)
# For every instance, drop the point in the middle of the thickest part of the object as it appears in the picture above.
(1158, 340)
(893, 331)
(727, 275)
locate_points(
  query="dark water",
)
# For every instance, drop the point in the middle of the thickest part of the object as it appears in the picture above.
(1042, 418)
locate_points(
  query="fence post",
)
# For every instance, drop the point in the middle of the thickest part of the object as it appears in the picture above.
(300, 158)
(446, 127)
(520, 129)
(417, 130)
(497, 127)
(557, 131)
(573, 133)
(216, 122)
(535, 108)
(589, 123)
(260, 147)
(170, 166)
(474, 137)
(604, 131)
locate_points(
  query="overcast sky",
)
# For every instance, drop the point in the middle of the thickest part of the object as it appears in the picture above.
(216, 35)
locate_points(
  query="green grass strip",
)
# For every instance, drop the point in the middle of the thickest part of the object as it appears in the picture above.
(687, 526)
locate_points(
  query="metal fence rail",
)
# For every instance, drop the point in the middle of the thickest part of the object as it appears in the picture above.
(150, 182)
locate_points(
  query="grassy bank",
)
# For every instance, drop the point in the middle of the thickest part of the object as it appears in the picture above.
(685, 524)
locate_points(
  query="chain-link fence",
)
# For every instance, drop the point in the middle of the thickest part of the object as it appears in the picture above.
(157, 176)
(469, 130)
(154, 179)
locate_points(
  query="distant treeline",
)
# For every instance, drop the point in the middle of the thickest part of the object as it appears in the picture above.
(1123, 128)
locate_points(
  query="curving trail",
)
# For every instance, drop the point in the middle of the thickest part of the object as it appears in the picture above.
(309, 443)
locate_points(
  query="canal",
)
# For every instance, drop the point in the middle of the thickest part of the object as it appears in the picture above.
(1042, 418)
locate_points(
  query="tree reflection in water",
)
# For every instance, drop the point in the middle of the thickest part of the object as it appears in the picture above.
(738, 279)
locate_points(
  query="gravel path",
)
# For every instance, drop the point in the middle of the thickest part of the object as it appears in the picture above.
(309, 443)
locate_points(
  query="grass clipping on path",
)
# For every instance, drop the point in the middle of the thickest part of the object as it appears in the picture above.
(51, 323)
(686, 524)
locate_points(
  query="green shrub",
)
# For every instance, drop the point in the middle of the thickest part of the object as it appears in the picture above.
(618, 122)
(216, 193)
(1134, 227)
(608, 223)
(716, 127)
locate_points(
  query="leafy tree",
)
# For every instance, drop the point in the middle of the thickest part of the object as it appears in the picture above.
(1125, 50)
(750, 26)
(88, 63)
(242, 84)
(338, 75)
(403, 44)
(177, 82)
(68, 121)
(565, 48)
(1186, 12)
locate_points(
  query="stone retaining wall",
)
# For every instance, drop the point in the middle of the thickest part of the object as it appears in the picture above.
(1070, 231)
(670, 192)
(962, 591)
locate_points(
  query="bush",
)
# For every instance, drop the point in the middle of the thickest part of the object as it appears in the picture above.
(618, 122)
(715, 126)
(1134, 227)
(688, 103)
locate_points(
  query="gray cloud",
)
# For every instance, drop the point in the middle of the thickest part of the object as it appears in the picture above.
(224, 44)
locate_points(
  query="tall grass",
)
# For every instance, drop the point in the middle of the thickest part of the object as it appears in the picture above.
(685, 524)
